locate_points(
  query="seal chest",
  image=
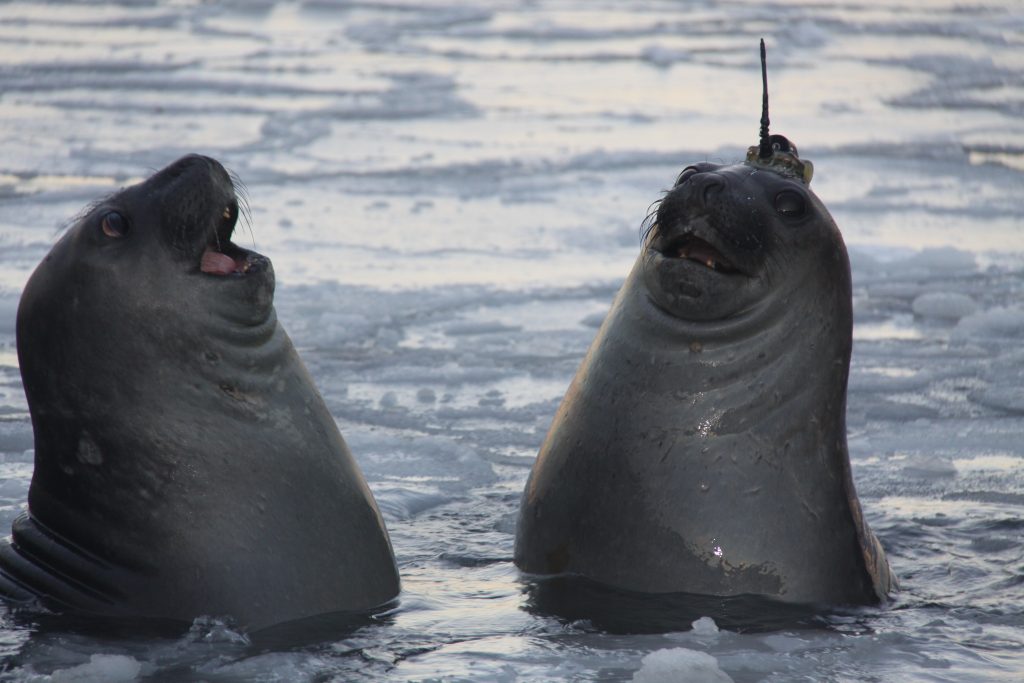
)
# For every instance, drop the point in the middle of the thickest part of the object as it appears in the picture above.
(701, 446)
(185, 463)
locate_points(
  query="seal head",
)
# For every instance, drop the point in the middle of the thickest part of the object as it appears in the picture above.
(185, 463)
(724, 237)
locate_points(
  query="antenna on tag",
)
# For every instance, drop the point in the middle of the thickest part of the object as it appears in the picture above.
(775, 152)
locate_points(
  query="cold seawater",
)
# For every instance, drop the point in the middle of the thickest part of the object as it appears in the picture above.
(451, 194)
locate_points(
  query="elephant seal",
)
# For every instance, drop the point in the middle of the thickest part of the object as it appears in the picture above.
(185, 464)
(701, 447)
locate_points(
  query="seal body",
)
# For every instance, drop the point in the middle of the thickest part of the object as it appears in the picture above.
(185, 464)
(701, 447)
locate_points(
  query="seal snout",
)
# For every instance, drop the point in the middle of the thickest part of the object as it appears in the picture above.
(221, 256)
(705, 187)
(693, 248)
(700, 185)
(201, 209)
(687, 219)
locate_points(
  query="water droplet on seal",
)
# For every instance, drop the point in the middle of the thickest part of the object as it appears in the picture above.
(88, 452)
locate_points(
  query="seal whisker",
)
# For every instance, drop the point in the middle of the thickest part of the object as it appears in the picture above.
(246, 213)
(650, 222)
(242, 196)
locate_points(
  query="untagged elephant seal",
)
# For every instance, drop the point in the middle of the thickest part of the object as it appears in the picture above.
(185, 464)
(701, 447)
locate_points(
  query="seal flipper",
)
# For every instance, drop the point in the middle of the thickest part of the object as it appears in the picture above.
(880, 575)
(37, 563)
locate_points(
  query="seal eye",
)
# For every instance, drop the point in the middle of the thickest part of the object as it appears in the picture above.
(790, 204)
(114, 225)
(687, 173)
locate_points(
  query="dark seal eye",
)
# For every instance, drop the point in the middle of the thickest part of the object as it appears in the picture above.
(687, 173)
(114, 225)
(790, 204)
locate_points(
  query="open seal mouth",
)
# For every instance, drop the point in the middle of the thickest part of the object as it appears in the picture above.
(692, 248)
(223, 257)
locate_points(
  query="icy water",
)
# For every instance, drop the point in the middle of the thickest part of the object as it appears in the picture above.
(451, 194)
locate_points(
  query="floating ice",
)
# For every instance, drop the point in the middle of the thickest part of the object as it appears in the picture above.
(991, 325)
(680, 664)
(705, 626)
(100, 667)
(928, 467)
(942, 260)
(1005, 389)
(437, 463)
(8, 312)
(659, 55)
(945, 305)
(214, 630)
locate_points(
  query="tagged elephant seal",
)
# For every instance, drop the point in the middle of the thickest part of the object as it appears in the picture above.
(185, 464)
(701, 447)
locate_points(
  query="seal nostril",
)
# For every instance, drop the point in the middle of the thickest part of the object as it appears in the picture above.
(687, 173)
(712, 186)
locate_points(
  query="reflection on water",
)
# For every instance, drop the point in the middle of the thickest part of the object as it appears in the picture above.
(997, 462)
(31, 184)
(615, 610)
(887, 329)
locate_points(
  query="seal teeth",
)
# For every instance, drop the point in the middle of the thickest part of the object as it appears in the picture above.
(697, 250)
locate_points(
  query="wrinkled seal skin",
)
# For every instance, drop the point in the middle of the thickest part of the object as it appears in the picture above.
(701, 447)
(185, 464)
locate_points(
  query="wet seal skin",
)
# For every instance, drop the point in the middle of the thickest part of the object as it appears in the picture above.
(701, 447)
(185, 463)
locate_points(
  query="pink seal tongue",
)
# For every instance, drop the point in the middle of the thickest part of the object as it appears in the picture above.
(216, 263)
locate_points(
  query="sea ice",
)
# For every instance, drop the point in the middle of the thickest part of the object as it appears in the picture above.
(946, 305)
(679, 664)
(100, 667)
